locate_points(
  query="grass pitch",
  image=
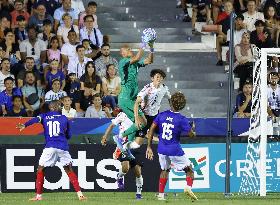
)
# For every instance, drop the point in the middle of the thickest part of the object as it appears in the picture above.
(125, 198)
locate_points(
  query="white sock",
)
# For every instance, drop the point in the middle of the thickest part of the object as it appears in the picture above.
(120, 174)
(133, 145)
(139, 184)
(161, 195)
(80, 194)
(38, 195)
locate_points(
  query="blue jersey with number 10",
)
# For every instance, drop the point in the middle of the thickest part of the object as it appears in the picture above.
(171, 125)
(56, 129)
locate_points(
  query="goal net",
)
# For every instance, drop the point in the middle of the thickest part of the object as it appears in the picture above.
(262, 152)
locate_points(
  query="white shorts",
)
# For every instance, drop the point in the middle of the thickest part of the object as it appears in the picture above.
(177, 162)
(51, 155)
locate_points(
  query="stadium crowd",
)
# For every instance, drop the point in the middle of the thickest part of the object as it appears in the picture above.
(55, 51)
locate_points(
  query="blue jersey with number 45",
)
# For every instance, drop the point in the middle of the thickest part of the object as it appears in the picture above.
(171, 126)
(56, 129)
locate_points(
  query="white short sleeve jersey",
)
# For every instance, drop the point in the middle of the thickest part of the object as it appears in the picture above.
(123, 121)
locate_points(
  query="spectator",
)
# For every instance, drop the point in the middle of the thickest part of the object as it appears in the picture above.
(239, 29)
(51, 5)
(272, 24)
(29, 66)
(183, 4)
(10, 47)
(79, 5)
(201, 12)
(33, 47)
(65, 8)
(55, 93)
(89, 52)
(111, 86)
(21, 31)
(68, 50)
(72, 87)
(104, 60)
(223, 21)
(244, 100)
(6, 7)
(4, 24)
(19, 10)
(217, 8)
(47, 34)
(62, 32)
(7, 95)
(244, 60)
(17, 109)
(90, 10)
(39, 16)
(78, 63)
(275, 4)
(273, 95)
(2, 54)
(252, 15)
(91, 33)
(82, 102)
(33, 95)
(89, 80)
(54, 73)
(95, 110)
(5, 72)
(53, 52)
(67, 110)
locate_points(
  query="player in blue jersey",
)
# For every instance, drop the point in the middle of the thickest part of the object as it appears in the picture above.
(57, 132)
(171, 126)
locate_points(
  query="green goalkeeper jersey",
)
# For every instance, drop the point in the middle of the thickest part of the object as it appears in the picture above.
(129, 77)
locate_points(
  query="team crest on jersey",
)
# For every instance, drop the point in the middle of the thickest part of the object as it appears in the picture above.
(199, 158)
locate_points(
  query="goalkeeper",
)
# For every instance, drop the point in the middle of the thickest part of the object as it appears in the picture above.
(128, 69)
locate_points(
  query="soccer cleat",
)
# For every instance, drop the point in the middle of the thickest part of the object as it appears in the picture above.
(36, 198)
(189, 193)
(120, 183)
(139, 196)
(82, 198)
(161, 198)
(117, 153)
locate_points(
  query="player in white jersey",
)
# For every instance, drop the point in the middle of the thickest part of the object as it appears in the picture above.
(273, 95)
(127, 162)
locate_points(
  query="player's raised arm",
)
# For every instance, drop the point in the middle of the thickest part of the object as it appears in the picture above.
(150, 58)
(32, 121)
(107, 132)
(149, 151)
(139, 54)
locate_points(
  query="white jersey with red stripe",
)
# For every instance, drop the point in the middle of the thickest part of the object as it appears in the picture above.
(122, 121)
(152, 97)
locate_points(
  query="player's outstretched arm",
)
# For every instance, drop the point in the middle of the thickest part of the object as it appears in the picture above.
(106, 134)
(139, 54)
(149, 151)
(34, 120)
(150, 58)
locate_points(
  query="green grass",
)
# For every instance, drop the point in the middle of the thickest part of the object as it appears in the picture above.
(125, 198)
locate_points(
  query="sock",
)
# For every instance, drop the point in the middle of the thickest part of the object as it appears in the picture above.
(133, 145)
(189, 181)
(120, 174)
(139, 184)
(39, 182)
(74, 181)
(80, 194)
(162, 183)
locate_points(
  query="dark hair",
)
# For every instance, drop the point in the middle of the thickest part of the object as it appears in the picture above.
(32, 26)
(8, 30)
(85, 40)
(9, 78)
(54, 80)
(53, 39)
(78, 47)
(20, 18)
(259, 22)
(15, 97)
(247, 82)
(91, 80)
(21, 1)
(29, 58)
(88, 16)
(239, 16)
(157, 71)
(47, 22)
(72, 31)
(107, 74)
(178, 101)
(251, 0)
(5, 59)
(105, 44)
(92, 3)
(266, 12)
(96, 96)
(273, 74)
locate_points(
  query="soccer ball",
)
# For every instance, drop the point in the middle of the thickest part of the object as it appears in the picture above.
(149, 36)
